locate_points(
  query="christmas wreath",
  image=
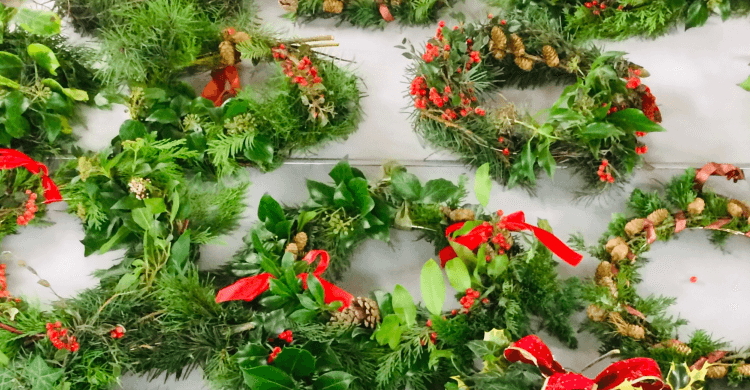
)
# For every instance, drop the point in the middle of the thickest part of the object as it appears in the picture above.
(618, 20)
(638, 326)
(367, 13)
(596, 121)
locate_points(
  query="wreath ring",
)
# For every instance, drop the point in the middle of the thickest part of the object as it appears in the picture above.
(595, 122)
(638, 326)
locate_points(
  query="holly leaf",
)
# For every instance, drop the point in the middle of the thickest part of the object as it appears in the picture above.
(44, 57)
(41, 376)
(316, 288)
(297, 362)
(458, 275)
(433, 287)
(267, 378)
(334, 380)
(697, 14)
(252, 355)
(483, 184)
(403, 305)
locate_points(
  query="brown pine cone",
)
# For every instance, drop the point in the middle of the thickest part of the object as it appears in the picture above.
(292, 248)
(625, 328)
(614, 242)
(239, 37)
(603, 270)
(635, 331)
(550, 56)
(696, 207)
(524, 63)
(620, 252)
(743, 370)
(289, 5)
(226, 52)
(300, 240)
(716, 372)
(333, 6)
(362, 311)
(681, 348)
(634, 227)
(595, 313)
(498, 43)
(658, 216)
(460, 215)
(735, 209)
(517, 46)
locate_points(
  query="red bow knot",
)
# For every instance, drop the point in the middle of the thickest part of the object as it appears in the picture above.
(512, 222)
(249, 288)
(10, 158)
(727, 170)
(216, 89)
(641, 372)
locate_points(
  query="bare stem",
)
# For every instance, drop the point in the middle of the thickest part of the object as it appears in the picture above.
(11, 329)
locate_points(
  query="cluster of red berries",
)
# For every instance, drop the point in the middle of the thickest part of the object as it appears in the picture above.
(31, 209)
(469, 298)
(118, 332)
(641, 149)
(432, 52)
(286, 336)
(640, 134)
(60, 337)
(648, 105)
(506, 151)
(501, 244)
(303, 73)
(605, 176)
(634, 79)
(275, 352)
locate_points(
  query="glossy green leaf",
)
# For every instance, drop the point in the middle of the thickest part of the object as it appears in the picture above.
(342, 197)
(163, 116)
(296, 362)
(403, 305)
(697, 14)
(406, 185)
(316, 288)
(389, 331)
(334, 380)
(142, 218)
(361, 197)
(38, 22)
(270, 210)
(5, 82)
(251, 355)
(433, 287)
(458, 274)
(341, 173)
(44, 57)
(321, 193)
(437, 191)
(634, 120)
(181, 249)
(600, 130)
(10, 65)
(155, 206)
(498, 265)
(266, 377)
(260, 150)
(483, 184)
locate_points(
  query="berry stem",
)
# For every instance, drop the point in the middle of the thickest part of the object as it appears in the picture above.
(11, 329)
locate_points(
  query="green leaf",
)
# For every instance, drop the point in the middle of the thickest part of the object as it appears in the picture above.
(334, 380)
(38, 22)
(10, 65)
(5, 82)
(267, 378)
(235, 106)
(41, 376)
(498, 265)
(260, 150)
(304, 218)
(181, 249)
(600, 130)
(464, 253)
(341, 173)
(44, 57)
(76, 94)
(438, 190)
(252, 355)
(114, 240)
(406, 185)
(389, 331)
(131, 130)
(321, 193)
(458, 275)
(316, 288)
(483, 184)
(270, 210)
(697, 14)
(746, 84)
(403, 305)
(52, 125)
(303, 316)
(296, 362)
(433, 287)
(341, 196)
(163, 116)
(634, 120)
(126, 281)
(155, 206)
(361, 195)
(142, 218)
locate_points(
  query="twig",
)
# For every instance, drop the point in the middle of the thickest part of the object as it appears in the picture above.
(602, 357)
(323, 45)
(310, 39)
(11, 329)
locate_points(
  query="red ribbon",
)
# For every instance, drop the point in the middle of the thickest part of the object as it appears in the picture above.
(385, 13)
(641, 372)
(680, 222)
(10, 158)
(512, 222)
(711, 358)
(249, 288)
(648, 225)
(216, 89)
(727, 170)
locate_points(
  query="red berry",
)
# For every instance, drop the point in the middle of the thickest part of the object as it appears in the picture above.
(503, 22)
(454, 312)
(587, 5)
(506, 152)
(693, 279)
(490, 16)
(602, 6)
(441, 23)
(596, 12)
(429, 322)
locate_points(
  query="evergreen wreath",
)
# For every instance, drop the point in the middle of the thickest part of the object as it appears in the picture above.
(617, 20)
(367, 13)
(638, 326)
(595, 122)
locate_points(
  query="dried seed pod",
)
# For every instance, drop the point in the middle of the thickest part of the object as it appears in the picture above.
(595, 313)
(614, 242)
(333, 6)
(625, 328)
(634, 227)
(620, 252)
(460, 215)
(635, 331)
(292, 248)
(524, 63)
(226, 53)
(735, 209)
(696, 207)
(517, 46)
(603, 270)
(550, 56)
(743, 370)
(716, 372)
(658, 216)
(300, 239)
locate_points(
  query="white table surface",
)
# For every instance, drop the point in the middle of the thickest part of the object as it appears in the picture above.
(693, 75)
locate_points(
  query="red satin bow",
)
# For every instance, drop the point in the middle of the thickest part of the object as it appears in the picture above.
(216, 89)
(641, 372)
(513, 222)
(10, 158)
(249, 288)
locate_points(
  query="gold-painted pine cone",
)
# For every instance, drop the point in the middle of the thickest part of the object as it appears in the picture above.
(634, 227)
(620, 252)
(517, 46)
(614, 242)
(524, 63)
(696, 207)
(716, 372)
(550, 56)
(658, 216)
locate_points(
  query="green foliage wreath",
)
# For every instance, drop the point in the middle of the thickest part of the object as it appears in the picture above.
(595, 122)
(367, 13)
(638, 326)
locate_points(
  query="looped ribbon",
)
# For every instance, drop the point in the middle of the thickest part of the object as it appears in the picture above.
(642, 373)
(710, 359)
(512, 222)
(11, 158)
(385, 12)
(223, 82)
(249, 288)
(727, 170)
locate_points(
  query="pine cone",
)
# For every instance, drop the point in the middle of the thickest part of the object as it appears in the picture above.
(658, 216)
(696, 207)
(625, 328)
(289, 5)
(524, 63)
(634, 227)
(603, 270)
(716, 372)
(459, 215)
(614, 242)
(363, 311)
(226, 51)
(735, 209)
(635, 331)
(292, 248)
(300, 240)
(550, 56)
(743, 370)
(498, 43)
(239, 37)
(516, 45)
(681, 348)
(610, 283)
(620, 252)
(333, 6)
(595, 313)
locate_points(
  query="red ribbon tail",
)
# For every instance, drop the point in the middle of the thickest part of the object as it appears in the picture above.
(247, 288)
(680, 222)
(517, 222)
(568, 381)
(728, 170)
(214, 90)
(334, 293)
(385, 13)
(718, 223)
(532, 350)
(331, 292)
(446, 255)
(643, 372)
(233, 77)
(51, 192)
(650, 231)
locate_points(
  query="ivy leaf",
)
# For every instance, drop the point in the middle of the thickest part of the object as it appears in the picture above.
(341, 173)
(483, 184)
(341, 196)
(41, 376)
(438, 190)
(406, 185)
(458, 275)
(697, 14)
(321, 193)
(163, 116)
(433, 287)
(746, 84)
(260, 150)
(10, 65)
(389, 331)
(38, 22)
(267, 378)
(634, 120)
(361, 195)
(44, 57)
(334, 380)
(297, 362)
(403, 305)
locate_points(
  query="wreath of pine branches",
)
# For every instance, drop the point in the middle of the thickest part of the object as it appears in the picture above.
(367, 13)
